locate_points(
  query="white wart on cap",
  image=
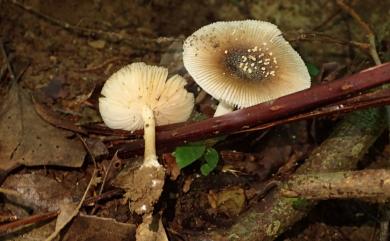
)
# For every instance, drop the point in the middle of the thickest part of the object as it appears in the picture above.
(243, 63)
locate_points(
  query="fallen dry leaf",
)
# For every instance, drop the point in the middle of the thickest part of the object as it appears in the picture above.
(36, 232)
(95, 228)
(97, 44)
(82, 228)
(230, 201)
(37, 192)
(151, 229)
(172, 169)
(28, 140)
(187, 183)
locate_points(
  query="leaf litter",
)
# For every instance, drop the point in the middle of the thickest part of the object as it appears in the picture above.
(30, 140)
(248, 160)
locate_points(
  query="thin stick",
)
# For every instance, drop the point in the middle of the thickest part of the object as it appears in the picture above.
(379, 98)
(75, 211)
(6, 59)
(10, 227)
(88, 150)
(365, 27)
(109, 194)
(14, 82)
(373, 99)
(54, 118)
(141, 43)
(318, 36)
(102, 65)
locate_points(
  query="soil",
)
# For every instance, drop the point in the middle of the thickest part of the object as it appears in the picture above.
(64, 51)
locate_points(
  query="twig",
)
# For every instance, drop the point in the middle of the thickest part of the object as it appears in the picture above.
(283, 107)
(112, 193)
(6, 59)
(10, 192)
(141, 43)
(14, 81)
(365, 27)
(327, 20)
(102, 65)
(375, 99)
(373, 185)
(10, 227)
(318, 36)
(106, 173)
(54, 118)
(75, 211)
(88, 150)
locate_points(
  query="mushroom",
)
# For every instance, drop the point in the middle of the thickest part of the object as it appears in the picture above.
(243, 63)
(137, 96)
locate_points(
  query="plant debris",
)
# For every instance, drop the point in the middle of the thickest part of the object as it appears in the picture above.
(312, 165)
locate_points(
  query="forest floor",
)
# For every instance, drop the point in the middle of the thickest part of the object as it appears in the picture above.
(55, 58)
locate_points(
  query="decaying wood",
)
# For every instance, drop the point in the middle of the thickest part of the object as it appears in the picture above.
(373, 185)
(341, 151)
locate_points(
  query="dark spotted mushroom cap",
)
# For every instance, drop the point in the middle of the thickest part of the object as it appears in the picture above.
(244, 62)
(127, 91)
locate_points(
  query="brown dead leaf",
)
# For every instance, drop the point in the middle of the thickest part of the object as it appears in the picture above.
(151, 229)
(55, 119)
(230, 201)
(172, 169)
(34, 233)
(97, 44)
(82, 228)
(187, 184)
(37, 192)
(95, 228)
(28, 140)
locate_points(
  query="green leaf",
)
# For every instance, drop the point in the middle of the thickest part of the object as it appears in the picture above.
(205, 169)
(211, 156)
(313, 70)
(186, 155)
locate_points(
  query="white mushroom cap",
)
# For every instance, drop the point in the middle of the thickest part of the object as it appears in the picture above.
(127, 91)
(244, 63)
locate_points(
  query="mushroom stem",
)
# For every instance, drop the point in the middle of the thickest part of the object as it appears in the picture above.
(150, 158)
(223, 108)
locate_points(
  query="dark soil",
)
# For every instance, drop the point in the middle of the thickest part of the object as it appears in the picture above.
(66, 67)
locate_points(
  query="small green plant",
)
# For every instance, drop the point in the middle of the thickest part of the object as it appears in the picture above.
(313, 70)
(188, 154)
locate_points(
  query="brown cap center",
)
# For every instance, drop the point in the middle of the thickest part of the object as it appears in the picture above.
(251, 64)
